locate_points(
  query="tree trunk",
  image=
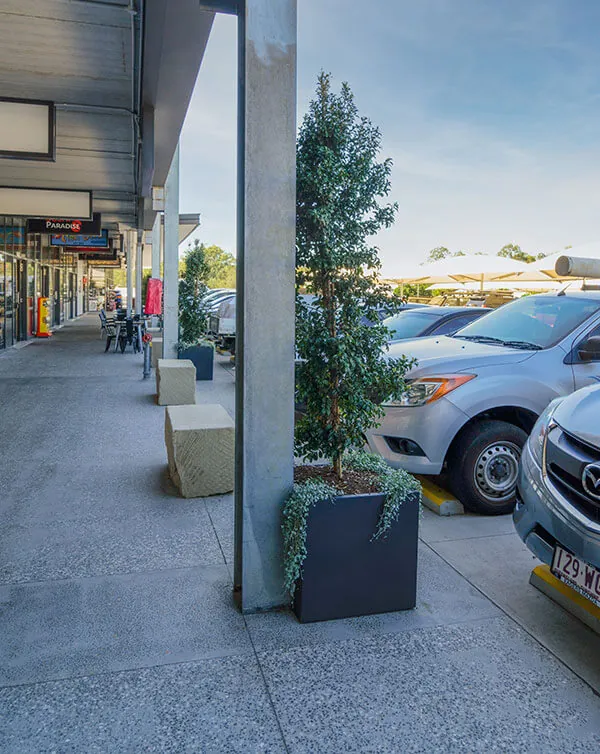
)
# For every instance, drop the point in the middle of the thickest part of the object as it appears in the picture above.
(329, 303)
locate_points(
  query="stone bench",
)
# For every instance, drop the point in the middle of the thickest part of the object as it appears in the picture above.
(175, 382)
(200, 449)
(157, 350)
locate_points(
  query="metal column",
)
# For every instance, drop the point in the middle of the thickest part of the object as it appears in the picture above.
(139, 254)
(171, 262)
(156, 251)
(129, 263)
(266, 250)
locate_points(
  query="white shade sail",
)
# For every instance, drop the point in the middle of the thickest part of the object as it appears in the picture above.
(471, 269)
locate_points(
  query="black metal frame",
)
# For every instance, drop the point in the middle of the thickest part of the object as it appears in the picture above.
(50, 155)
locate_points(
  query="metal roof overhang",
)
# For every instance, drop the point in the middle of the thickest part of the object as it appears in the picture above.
(121, 73)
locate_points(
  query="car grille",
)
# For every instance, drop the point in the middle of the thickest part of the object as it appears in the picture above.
(566, 458)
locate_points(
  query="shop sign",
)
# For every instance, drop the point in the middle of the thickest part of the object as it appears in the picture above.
(57, 225)
(80, 240)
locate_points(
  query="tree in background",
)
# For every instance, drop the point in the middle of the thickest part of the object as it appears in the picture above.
(440, 252)
(343, 375)
(192, 289)
(514, 251)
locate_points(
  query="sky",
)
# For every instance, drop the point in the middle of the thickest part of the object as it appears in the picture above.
(490, 110)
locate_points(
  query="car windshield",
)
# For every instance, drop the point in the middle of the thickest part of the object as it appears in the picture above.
(531, 321)
(409, 324)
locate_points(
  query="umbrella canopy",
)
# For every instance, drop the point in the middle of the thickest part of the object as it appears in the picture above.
(547, 264)
(475, 268)
(506, 285)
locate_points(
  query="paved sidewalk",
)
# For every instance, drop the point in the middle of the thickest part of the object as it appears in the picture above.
(118, 631)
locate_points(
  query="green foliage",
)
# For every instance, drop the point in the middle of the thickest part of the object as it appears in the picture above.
(295, 516)
(440, 252)
(344, 375)
(397, 485)
(192, 289)
(514, 251)
(221, 266)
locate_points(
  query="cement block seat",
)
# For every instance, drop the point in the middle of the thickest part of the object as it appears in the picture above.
(175, 382)
(157, 350)
(200, 449)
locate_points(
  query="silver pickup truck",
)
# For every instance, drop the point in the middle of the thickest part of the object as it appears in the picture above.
(473, 398)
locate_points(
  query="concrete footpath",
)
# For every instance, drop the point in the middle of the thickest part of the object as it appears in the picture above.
(118, 632)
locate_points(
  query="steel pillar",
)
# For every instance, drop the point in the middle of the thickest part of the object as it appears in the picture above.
(129, 263)
(171, 262)
(265, 296)
(139, 272)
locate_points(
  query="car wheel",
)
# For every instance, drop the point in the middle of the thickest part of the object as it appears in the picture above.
(483, 466)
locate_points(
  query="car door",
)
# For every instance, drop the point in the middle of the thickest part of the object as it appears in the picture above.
(585, 372)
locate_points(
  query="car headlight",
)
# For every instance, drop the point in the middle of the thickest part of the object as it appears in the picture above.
(429, 389)
(539, 433)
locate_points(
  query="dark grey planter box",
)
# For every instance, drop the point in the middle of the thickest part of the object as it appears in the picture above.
(346, 573)
(203, 358)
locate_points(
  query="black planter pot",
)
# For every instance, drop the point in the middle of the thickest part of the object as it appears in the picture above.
(348, 573)
(203, 358)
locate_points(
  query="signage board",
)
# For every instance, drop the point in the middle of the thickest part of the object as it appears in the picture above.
(104, 262)
(80, 240)
(62, 226)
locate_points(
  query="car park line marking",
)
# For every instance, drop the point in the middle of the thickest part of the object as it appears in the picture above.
(569, 599)
(438, 500)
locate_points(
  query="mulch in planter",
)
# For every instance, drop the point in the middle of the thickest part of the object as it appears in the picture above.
(353, 482)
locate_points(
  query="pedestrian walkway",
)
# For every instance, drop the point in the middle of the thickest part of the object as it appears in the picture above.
(118, 630)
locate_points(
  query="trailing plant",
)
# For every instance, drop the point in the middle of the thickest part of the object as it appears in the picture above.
(396, 484)
(193, 314)
(343, 375)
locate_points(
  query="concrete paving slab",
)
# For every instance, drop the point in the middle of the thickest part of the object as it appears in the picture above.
(85, 626)
(443, 598)
(478, 687)
(500, 566)
(437, 529)
(221, 512)
(217, 706)
(107, 545)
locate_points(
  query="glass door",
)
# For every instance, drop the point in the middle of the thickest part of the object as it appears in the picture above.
(9, 301)
(20, 284)
(56, 307)
(2, 302)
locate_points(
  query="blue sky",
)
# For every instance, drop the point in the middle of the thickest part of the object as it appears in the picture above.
(490, 110)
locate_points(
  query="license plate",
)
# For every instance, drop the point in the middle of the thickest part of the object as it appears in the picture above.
(578, 574)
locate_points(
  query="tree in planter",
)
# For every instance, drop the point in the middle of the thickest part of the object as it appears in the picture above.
(343, 375)
(193, 314)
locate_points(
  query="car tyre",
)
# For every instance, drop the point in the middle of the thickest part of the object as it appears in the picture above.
(483, 466)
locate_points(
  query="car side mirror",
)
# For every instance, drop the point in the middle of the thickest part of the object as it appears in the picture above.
(589, 350)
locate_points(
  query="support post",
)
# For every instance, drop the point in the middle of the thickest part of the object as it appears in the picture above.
(171, 262)
(156, 251)
(129, 263)
(265, 289)
(139, 257)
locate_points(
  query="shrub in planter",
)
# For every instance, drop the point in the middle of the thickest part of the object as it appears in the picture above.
(357, 521)
(363, 548)
(193, 315)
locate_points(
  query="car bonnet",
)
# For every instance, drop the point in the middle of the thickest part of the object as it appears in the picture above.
(444, 355)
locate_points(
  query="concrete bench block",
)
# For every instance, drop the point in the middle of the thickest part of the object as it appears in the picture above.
(157, 350)
(175, 382)
(200, 449)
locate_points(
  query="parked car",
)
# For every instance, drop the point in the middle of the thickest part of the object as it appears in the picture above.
(558, 506)
(431, 320)
(221, 324)
(473, 398)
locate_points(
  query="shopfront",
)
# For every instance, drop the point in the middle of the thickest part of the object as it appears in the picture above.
(31, 267)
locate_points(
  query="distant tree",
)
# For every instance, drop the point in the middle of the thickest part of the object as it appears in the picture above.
(440, 252)
(221, 265)
(514, 251)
